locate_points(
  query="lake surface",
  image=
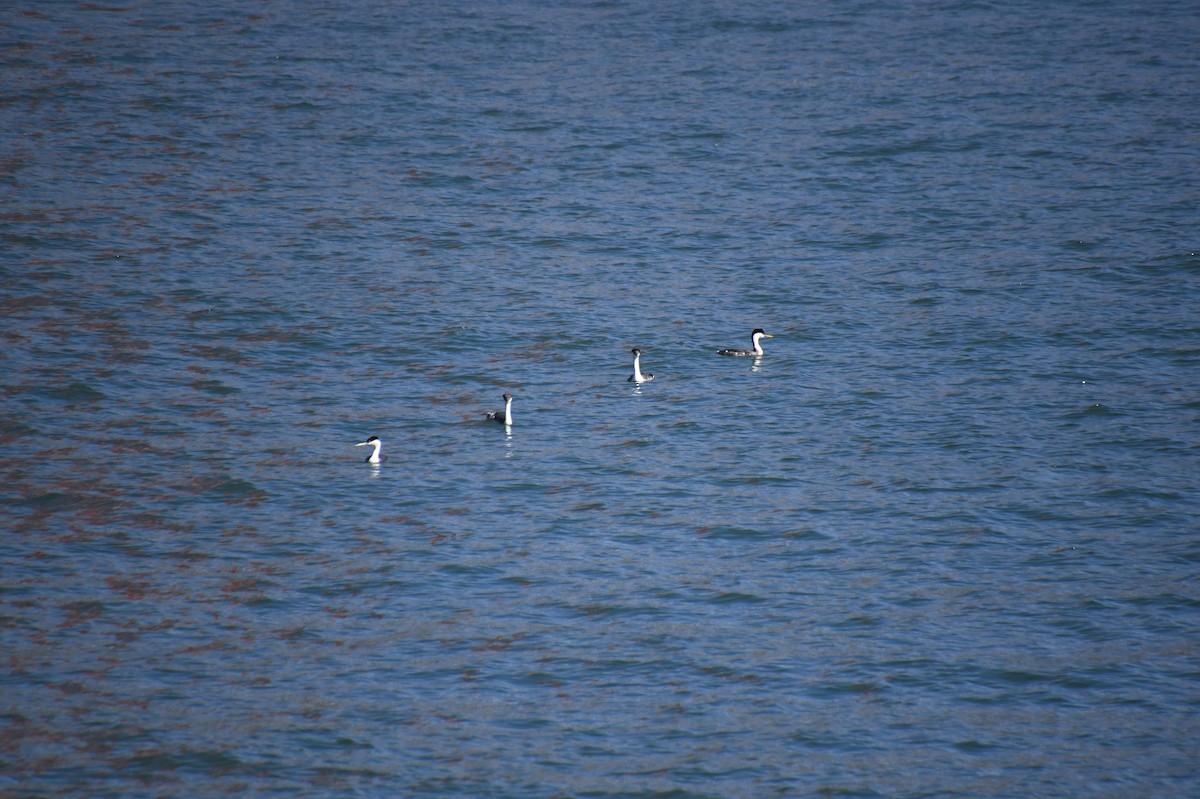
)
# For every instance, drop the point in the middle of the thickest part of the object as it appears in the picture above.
(942, 540)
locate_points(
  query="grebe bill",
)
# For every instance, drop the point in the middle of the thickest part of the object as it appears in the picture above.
(375, 442)
(638, 376)
(757, 350)
(504, 416)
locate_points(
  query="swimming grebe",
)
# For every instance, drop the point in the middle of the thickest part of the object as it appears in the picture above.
(755, 337)
(372, 441)
(504, 416)
(637, 376)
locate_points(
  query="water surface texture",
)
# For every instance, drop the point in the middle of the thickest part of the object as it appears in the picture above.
(941, 541)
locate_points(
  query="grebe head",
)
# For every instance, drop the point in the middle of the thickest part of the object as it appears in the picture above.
(636, 351)
(760, 333)
(375, 442)
(507, 398)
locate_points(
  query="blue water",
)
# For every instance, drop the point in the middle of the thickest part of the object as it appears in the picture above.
(940, 541)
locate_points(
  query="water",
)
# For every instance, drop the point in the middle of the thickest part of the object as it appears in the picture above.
(940, 541)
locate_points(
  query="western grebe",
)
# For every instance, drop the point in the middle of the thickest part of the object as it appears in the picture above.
(638, 376)
(375, 442)
(755, 337)
(504, 416)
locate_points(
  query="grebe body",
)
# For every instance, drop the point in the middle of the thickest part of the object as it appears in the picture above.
(756, 346)
(504, 416)
(638, 375)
